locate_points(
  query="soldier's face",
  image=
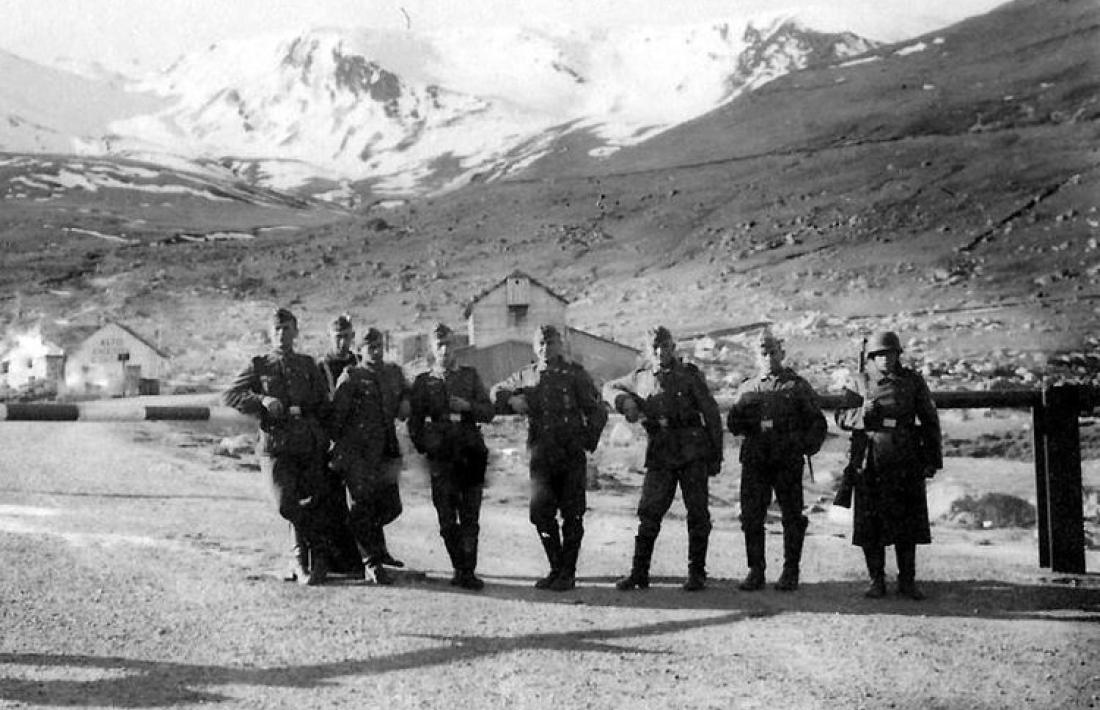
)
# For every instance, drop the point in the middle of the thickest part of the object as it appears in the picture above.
(342, 341)
(283, 335)
(884, 360)
(374, 350)
(547, 348)
(443, 350)
(769, 357)
(663, 352)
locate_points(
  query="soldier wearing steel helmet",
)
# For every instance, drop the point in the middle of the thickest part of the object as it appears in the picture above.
(285, 390)
(897, 444)
(684, 447)
(778, 414)
(447, 403)
(565, 417)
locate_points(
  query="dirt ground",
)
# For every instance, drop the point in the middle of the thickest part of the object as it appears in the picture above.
(141, 570)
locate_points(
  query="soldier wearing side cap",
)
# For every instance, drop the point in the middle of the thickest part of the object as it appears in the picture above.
(565, 417)
(447, 404)
(684, 432)
(778, 414)
(286, 391)
(896, 445)
(364, 404)
(395, 407)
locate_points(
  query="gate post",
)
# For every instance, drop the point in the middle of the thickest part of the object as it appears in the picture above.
(1062, 454)
(1042, 496)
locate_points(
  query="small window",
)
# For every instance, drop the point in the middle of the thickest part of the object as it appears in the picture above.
(30, 363)
(123, 357)
(517, 315)
(4, 367)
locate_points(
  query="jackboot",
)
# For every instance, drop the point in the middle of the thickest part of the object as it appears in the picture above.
(907, 571)
(875, 556)
(386, 558)
(319, 556)
(551, 544)
(299, 558)
(697, 563)
(754, 553)
(573, 533)
(467, 578)
(792, 555)
(454, 550)
(639, 569)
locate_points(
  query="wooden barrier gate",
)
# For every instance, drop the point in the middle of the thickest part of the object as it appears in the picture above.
(1056, 413)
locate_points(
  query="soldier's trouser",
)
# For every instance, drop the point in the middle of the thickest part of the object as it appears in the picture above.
(375, 501)
(906, 553)
(296, 487)
(559, 486)
(658, 491)
(458, 509)
(875, 557)
(758, 483)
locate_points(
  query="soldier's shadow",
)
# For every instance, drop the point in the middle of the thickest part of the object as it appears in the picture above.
(127, 683)
(1076, 599)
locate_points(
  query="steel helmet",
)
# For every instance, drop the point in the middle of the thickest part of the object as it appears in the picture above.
(881, 342)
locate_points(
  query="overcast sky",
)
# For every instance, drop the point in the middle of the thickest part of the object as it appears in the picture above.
(155, 32)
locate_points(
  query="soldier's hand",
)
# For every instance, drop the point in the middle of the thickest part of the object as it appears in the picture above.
(518, 403)
(404, 410)
(458, 404)
(630, 410)
(273, 406)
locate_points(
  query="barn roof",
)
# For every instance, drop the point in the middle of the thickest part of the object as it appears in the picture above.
(517, 273)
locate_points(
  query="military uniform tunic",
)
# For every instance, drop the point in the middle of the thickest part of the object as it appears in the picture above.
(684, 441)
(902, 430)
(565, 418)
(781, 420)
(290, 447)
(456, 453)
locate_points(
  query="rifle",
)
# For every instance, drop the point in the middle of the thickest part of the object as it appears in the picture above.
(857, 451)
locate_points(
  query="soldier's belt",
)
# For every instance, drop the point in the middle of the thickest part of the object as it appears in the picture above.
(778, 426)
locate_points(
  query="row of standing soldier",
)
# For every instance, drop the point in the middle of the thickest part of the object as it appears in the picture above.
(330, 428)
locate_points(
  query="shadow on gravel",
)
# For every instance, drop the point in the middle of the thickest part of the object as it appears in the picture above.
(132, 683)
(984, 599)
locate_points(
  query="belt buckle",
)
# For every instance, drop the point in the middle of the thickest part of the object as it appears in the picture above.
(295, 411)
(889, 423)
(766, 425)
(454, 417)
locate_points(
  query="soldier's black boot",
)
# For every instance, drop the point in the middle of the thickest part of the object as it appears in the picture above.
(793, 537)
(299, 558)
(572, 534)
(373, 544)
(639, 569)
(551, 544)
(754, 553)
(386, 558)
(907, 571)
(697, 563)
(875, 556)
(454, 552)
(319, 555)
(467, 578)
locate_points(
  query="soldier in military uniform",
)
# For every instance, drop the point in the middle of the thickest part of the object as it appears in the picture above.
(565, 418)
(778, 414)
(346, 557)
(366, 400)
(286, 391)
(395, 406)
(896, 445)
(684, 431)
(447, 403)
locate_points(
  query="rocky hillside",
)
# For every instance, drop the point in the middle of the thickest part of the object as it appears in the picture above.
(946, 187)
